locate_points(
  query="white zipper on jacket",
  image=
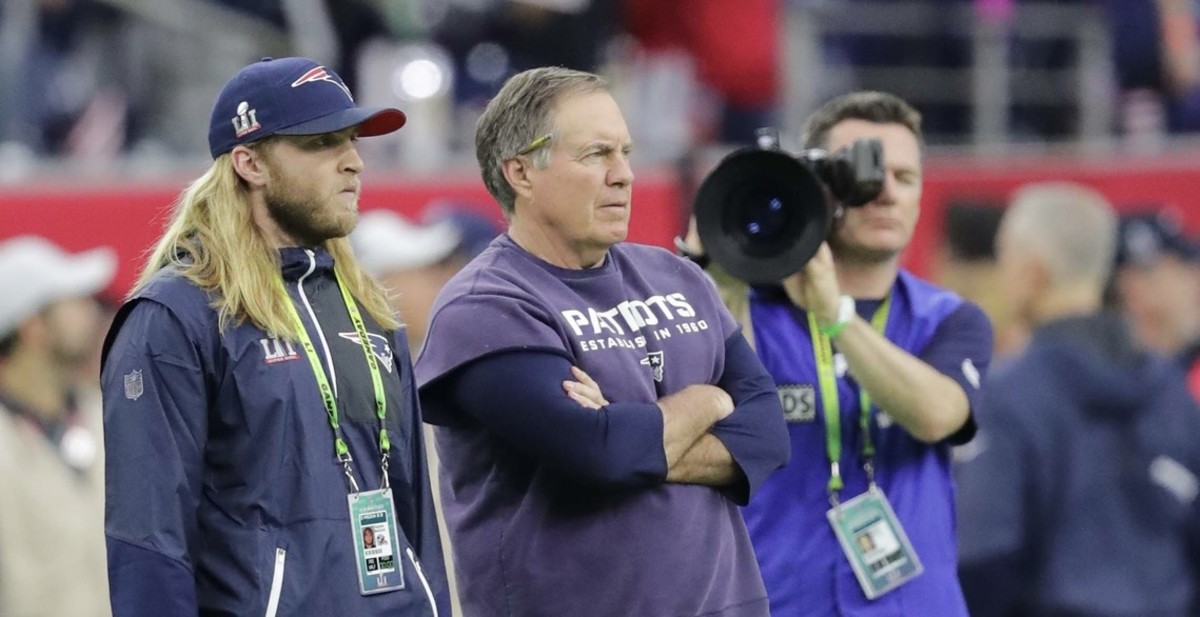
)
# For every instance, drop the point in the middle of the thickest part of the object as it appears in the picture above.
(424, 582)
(312, 266)
(276, 582)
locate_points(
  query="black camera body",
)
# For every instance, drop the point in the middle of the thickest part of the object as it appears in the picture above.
(762, 213)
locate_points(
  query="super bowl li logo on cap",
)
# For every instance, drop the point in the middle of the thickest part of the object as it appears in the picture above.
(246, 120)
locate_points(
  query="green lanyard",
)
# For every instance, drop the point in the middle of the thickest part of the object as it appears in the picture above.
(827, 380)
(327, 395)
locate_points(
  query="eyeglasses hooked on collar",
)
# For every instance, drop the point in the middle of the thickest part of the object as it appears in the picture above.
(535, 144)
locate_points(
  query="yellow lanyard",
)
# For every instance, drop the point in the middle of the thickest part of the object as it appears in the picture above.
(327, 396)
(827, 383)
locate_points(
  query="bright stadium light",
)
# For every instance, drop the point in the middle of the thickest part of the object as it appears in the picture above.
(421, 72)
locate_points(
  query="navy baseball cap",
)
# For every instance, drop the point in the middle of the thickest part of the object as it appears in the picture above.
(1146, 236)
(290, 96)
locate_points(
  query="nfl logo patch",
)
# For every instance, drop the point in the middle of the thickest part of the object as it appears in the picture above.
(133, 385)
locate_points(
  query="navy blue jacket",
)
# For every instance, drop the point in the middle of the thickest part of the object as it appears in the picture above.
(1079, 494)
(224, 496)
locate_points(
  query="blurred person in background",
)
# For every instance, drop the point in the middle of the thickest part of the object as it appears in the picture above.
(491, 40)
(259, 407)
(965, 263)
(414, 261)
(598, 415)
(1156, 285)
(51, 461)
(873, 423)
(1156, 58)
(1078, 496)
(734, 45)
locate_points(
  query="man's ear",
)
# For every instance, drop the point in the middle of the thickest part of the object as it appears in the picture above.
(1039, 275)
(516, 172)
(250, 165)
(34, 331)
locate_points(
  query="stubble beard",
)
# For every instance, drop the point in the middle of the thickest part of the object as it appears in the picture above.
(70, 354)
(858, 254)
(309, 220)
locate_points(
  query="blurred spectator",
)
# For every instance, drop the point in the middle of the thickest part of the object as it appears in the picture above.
(940, 43)
(57, 89)
(492, 40)
(1078, 496)
(1156, 53)
(965, 263)
(52, 559)
(735, 46)
(1156, 285)
(415, 261)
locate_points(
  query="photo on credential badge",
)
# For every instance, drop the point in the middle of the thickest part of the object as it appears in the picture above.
(879, 547)
(874, 543)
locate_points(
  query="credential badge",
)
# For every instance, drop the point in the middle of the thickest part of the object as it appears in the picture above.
(133, 385)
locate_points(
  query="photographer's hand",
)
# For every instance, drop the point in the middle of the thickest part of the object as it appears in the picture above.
(815, 288)
(929, 405)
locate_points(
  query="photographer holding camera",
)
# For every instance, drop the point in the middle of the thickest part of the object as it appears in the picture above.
(877, 371)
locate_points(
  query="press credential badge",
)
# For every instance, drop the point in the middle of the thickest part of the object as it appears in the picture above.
(874, 543)
(373, 522)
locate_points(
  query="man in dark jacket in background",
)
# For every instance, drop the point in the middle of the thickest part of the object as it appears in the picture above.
(1078, 495)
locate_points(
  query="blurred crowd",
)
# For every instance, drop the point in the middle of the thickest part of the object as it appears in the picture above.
(98, 79)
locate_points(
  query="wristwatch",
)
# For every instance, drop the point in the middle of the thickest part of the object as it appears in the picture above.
(845, 314)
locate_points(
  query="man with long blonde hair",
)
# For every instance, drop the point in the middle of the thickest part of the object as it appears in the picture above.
(258, 398)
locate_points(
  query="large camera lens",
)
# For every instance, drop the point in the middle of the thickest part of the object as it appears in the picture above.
(766, 223)
(761, 215)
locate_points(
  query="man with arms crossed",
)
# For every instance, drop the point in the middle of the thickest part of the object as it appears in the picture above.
(598, 415)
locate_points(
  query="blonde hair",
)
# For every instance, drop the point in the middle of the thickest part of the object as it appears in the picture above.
(1071, 227)
(213, 242)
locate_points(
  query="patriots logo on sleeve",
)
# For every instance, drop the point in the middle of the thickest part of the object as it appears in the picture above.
(379, 347)
(320, 74)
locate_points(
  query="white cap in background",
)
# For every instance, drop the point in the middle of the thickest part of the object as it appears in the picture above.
(34, 273)
(385, 241)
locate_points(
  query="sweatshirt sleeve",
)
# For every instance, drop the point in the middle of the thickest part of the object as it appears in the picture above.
(518, 395)
(155, 428)
(755, 433)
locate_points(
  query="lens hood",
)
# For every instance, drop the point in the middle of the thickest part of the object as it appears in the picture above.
(762, 214)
